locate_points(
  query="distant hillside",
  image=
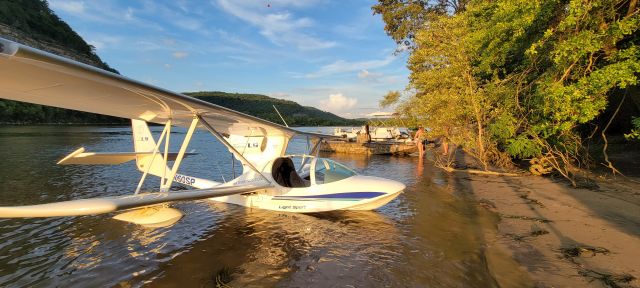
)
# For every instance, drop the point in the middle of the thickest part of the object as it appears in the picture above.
(262, 106)
(31, 22)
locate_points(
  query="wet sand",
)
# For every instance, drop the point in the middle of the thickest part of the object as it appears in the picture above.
(560, 235)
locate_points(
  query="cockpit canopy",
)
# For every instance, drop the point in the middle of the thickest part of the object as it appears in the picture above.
(297, 171)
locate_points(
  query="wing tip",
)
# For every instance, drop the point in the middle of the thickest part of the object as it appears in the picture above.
(8, 47)
(71, 155)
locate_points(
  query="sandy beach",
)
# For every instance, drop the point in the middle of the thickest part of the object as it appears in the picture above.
(563, 236)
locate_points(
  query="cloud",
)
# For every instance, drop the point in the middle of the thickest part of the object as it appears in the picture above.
(75, 7)
(189, 24)
(280, 27)
(295, 3)
(179, 13)
(365, 74)
(180, 54)
(241, 59)
(105, 12)
(128, 14)
(342, 66)
(102, 41)
(338, 102)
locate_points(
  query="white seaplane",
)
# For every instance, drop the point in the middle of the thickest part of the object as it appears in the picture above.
(269, 178)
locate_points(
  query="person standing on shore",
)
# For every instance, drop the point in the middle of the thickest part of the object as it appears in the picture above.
(418, 139)
(366, 132)
(445, 143)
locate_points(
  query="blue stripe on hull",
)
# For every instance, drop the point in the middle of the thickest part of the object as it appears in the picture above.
(347, 196)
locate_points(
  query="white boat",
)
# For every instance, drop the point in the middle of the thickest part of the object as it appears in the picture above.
(378, 134)
(391, 134)
(349, 134)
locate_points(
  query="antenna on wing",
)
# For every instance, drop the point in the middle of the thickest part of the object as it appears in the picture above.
(285, 122)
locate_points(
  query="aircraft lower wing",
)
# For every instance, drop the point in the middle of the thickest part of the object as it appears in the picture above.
(111, 204)
(96, 158)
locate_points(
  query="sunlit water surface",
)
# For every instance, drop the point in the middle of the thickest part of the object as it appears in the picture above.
(431, 235)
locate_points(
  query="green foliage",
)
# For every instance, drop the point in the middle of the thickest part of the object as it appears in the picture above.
(391, 98)
(503, 126)
(404, 18)
(523, 147)
(635, 132)
(36, 21)
(14, 112)
(517, 76)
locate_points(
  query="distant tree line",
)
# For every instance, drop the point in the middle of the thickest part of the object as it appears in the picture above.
(13, 112)
(261, 106)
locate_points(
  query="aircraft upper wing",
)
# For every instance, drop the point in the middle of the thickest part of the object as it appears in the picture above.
(31, 75)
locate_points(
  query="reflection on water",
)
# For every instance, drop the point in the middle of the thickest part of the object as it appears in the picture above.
(431, 235)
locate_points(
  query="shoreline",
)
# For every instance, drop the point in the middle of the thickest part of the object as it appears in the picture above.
(559, 235)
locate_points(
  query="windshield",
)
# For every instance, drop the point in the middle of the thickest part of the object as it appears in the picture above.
(327, 171)
(302, 164)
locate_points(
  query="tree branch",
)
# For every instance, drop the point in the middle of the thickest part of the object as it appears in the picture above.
(604, 137)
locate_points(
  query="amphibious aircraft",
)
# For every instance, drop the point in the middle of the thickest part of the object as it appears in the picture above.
(269, 180)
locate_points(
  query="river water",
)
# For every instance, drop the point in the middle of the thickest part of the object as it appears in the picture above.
(432, 235)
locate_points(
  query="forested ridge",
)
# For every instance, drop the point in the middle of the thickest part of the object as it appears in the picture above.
(510, 80)
(262, 106)
(33, 23)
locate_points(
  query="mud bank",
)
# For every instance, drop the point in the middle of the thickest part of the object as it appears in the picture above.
(563, 236)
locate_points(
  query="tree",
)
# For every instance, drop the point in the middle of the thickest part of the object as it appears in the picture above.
(392, 97)
(518, 77)
(453, 102)
(403, 18)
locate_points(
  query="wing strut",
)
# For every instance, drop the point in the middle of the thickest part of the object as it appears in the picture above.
(233, 150)
(315, 151)
(153, 157)
(166, 150)
(174, 169)
(167, 180)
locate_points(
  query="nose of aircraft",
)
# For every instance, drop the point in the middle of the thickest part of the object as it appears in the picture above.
(370, 183)
(394, 186)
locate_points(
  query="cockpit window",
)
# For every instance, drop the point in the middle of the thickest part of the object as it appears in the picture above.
(284, 173)
(302, 164)
(327, 171)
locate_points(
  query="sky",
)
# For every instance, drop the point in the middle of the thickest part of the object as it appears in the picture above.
(333, 55)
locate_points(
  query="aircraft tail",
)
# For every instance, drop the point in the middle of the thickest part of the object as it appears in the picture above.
(143, 142)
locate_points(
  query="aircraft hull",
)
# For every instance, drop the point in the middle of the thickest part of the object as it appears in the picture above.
(345, 194)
